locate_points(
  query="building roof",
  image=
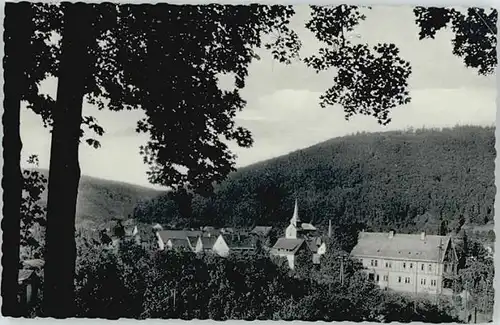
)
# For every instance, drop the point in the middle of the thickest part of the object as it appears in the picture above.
(287, 245)
(208, 242)
(211, 233)
(165, 235)
(227, 230)
(179, 243)
(24, 275)
(239, 242)
(192, 240)
(261, 230)
(307, 226)
(158, 227)
(401, 246)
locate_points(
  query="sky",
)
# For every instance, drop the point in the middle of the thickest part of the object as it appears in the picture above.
(283, 111)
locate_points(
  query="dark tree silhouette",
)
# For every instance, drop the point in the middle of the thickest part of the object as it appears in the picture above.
(12, 180)
(475, 32)
(64, 172)
(104, 49)
(28, 59)
(370, 80)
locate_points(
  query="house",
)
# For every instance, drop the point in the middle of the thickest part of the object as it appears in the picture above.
(416, 263)
(213, 244)
(290, 248)
(261, 231)
(297, 239)
(238, 242)
(179, 244)
(178, 238)
(318, 247)
(29, 283)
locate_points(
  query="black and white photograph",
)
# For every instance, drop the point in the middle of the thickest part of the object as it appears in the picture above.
(256, 162)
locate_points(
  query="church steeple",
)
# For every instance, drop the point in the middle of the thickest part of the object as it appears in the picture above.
(295, 221)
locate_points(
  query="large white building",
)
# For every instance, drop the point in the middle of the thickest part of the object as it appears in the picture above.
(407, 262)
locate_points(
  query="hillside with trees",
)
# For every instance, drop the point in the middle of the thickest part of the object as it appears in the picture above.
(101, 200)
(431, 179)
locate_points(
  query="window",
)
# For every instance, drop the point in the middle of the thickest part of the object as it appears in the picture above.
(422, 281)
(407, 280)
(378, 277)
(433, 283)
(371, 276)
(404, 265)
(375, 263)
(446, 267)
(452, 267)
(422, 267)
(386, 278)
(430, 267)
(399, 279)
(386, 264)
(411, 265)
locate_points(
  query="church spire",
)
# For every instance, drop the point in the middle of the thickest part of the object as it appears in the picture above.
(295, 218)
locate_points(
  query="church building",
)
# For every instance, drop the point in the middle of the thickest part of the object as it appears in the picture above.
(298, 239)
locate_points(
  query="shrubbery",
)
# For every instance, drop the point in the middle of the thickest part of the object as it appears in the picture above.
(135, 283)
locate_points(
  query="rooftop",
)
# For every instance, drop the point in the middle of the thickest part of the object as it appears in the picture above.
(401, 246)
(237, 241)
(178, 234)
(307, 226)
(179, 243)
(287, 245)
(261, 230)
(208, 242)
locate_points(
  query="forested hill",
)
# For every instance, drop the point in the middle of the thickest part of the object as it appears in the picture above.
(100, 200)
(407, 180)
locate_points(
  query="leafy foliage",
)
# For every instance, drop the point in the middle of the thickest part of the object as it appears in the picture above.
(370, 80)
(475, 32)
(215, 40)
(133, 282)
(32, 213)
(477, 276)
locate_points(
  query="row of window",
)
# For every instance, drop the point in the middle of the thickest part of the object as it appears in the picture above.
(433, 282)
(386, 277)
(422, 281)
(400, 279)
(422, 266)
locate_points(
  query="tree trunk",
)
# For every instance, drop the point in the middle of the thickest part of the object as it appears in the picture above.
(18, 30)
(64, 174)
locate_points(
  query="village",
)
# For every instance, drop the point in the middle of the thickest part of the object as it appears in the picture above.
(412, 263)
